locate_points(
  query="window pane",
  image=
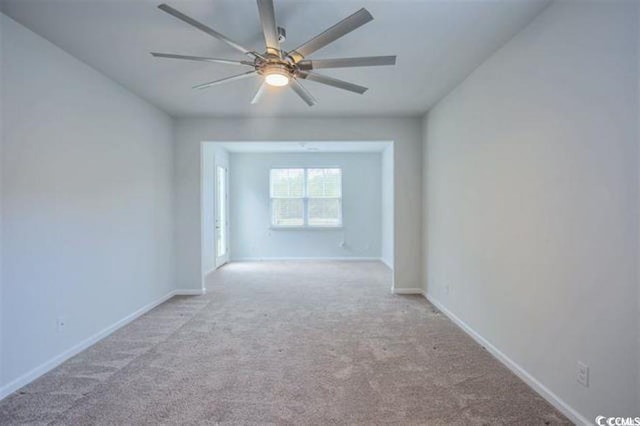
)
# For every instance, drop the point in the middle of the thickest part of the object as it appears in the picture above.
(324, 211)
(324, 183)
(287, 212)
(287, 183)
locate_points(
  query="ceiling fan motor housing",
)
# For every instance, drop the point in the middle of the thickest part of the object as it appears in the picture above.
(275, 68)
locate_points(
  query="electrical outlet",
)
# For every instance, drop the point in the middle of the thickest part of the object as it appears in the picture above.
(447, 289)
(61, 323)
(582, 374)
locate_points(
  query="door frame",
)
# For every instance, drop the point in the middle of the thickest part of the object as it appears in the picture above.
(221, 223)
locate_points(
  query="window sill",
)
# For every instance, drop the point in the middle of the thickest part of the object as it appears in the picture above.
(305, 228)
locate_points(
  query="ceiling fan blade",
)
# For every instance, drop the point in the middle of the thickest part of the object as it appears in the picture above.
(302, 92)
(343, 27)
(202, 27)
(269, 28)
(330, 81)
(201, 59)
(367, 61)
(226, 80)
(260, 93)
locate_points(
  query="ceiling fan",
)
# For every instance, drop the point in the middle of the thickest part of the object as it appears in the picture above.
(281, 68)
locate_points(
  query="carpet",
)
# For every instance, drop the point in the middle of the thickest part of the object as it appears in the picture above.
(284, 343)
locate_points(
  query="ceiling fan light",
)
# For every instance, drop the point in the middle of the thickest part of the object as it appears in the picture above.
(276, 79)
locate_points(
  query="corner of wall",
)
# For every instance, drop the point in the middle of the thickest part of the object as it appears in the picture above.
(174, 198)
(1, 169)
(387, 233)
(638, 222)
(424, 236)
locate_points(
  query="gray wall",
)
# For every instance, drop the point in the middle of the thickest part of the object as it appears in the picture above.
(251, 235)
(387, 206)
(1, 173)
(86, 202)
(405, 132)
(532, 212)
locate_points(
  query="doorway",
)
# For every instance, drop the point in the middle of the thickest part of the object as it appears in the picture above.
(221, 216)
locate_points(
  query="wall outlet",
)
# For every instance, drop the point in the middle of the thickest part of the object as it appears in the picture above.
(341, 244)
(582, 374)
(61, 323)
(447, 289)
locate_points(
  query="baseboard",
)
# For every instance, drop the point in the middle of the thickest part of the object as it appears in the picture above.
(305, 259)
(552, 398)
(190, 292)
(49, 365)
(408, 290)
(389, 265)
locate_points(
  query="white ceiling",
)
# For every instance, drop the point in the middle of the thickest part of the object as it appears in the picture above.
(438, 44)
(312, 147)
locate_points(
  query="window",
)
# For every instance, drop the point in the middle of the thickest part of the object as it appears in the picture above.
(287, 197)
(306, 197)
(324, 197)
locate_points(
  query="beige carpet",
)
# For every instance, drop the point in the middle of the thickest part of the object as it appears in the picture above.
(284, 343)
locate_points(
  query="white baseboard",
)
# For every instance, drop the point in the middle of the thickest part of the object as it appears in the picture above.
(190, 292)
(389, 265)
(408, 290)
(552, 398)
(305, 259)
(49, 365)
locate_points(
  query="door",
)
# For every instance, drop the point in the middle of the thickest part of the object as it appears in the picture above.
(221, 221)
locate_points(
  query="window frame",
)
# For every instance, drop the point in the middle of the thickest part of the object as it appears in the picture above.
(305, 201)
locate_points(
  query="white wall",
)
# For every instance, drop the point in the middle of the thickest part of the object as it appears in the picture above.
(212, 156)
(406, 132)
(638, 138)
(251, 233)
(532, 212)
(86, 202)
(1, 173)
(387, 206)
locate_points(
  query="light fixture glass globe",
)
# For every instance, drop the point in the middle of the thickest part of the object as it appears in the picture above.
(276, 79)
